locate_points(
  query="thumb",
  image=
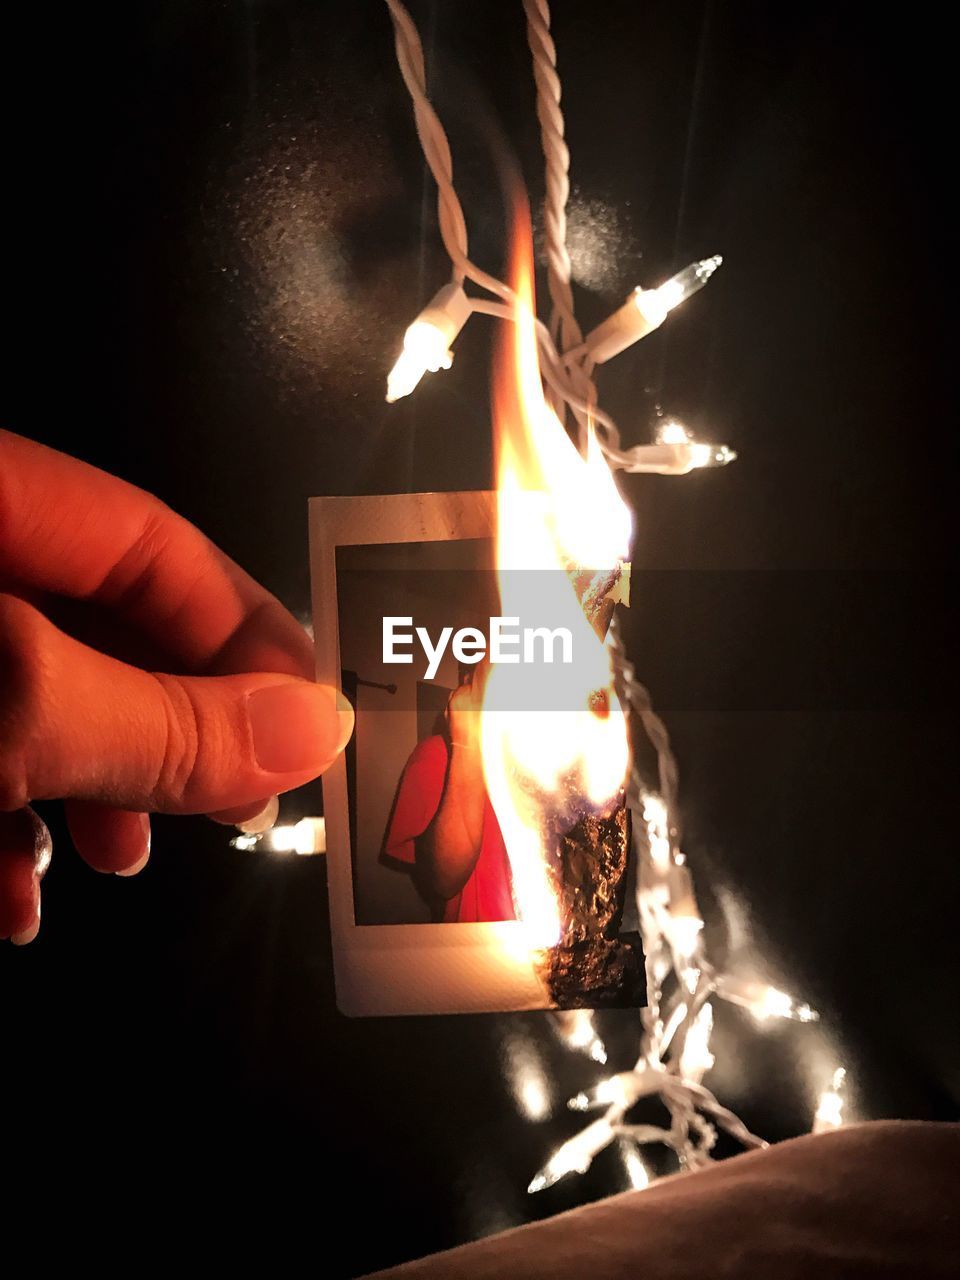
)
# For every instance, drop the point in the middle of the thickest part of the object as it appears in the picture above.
(75, 723)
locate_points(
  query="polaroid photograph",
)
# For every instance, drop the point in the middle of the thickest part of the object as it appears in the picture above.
(459, 882)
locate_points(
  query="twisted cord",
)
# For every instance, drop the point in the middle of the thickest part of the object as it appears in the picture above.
(436, 150)
(564, 328)
(557, 156)
(637, 697)
(568, 384)
(658, 1069)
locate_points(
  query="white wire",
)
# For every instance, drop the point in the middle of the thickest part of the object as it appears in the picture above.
(557, 156)
(564, 329)
(569, 384)
(552, 369)
(436, 150)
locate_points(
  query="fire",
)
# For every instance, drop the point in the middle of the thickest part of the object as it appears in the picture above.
(552, 735)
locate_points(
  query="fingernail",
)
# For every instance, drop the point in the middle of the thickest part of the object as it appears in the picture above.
(141, 862)
(28, 934)
(135, 869)
(43, 845)
(261, 821)
(298, 728)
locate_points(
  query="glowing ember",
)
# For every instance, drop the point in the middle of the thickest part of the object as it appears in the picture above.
(555, 731)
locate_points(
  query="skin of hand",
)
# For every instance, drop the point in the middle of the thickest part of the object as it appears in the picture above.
(448, 850)
(194, 696)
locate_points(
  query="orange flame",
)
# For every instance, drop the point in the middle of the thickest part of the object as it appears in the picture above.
(556, 510)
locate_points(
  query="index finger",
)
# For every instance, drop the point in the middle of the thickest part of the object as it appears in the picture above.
(69, 528)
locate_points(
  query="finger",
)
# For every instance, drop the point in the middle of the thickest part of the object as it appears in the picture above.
(24, 852)
(110, 840)
(75, 723)
(68, 528)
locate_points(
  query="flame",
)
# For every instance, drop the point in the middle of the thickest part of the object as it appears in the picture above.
(556, 510)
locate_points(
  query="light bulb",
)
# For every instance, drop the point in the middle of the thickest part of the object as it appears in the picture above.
(682, 922)
(646, 309)
(673, 432)
(695, 1057)
(676, 453)
(658, 834)
(424, 351)
(764, 1002)
(678, 288)
(637, 1172)
(304, 838)
(615, 1092)
(683, 932)
(574, 1156)
(426, 343)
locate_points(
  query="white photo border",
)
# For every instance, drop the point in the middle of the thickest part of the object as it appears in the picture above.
(404, 968)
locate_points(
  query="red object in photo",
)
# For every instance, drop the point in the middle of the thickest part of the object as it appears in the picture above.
(487, 894)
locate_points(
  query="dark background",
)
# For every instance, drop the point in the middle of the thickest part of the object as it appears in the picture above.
(219, 227)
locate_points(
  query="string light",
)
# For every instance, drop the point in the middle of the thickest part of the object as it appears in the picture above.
(426, 343)
(654, 814)
(566, 360)
(646, 310)
(681, 459)
(681, 286)
(671, 1026)
(620, 1091)
(304, 838)
(762, 1001)
(696, 1058)
(682, 923)
(676, 453)
(637, 1172)
(574, 1156)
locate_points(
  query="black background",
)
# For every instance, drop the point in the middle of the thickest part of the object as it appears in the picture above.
(219, 227)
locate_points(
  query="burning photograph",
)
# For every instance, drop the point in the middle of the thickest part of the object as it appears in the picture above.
(477, 824)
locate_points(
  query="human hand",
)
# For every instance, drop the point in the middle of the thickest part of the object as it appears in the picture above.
(237, 720)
